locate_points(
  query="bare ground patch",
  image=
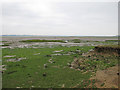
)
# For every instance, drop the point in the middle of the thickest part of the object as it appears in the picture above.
(107, 78)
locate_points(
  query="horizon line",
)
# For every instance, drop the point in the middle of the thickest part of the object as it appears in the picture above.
(56, 35)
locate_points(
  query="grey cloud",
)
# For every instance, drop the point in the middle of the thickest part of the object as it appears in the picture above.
(65, 18)
(16, 10)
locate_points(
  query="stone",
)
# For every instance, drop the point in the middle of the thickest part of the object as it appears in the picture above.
(44, 74)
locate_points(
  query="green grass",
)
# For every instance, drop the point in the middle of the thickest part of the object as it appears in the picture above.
(36, 40)
(75, 41)
(29, 72)
(5, 45)
(3, 41)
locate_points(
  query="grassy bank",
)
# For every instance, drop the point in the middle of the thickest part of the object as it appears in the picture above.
(108, 49)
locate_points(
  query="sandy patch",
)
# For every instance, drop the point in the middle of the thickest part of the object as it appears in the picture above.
(107, 78)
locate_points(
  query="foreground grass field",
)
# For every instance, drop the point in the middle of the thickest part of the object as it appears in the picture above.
(55, 67)
(30, 72)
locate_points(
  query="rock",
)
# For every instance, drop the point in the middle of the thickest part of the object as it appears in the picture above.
(97, 59)
(15, 59)
(57, 54)
(32, 86)
(94, 66)
(58, 51)
(1, 71)
(45, 65)
(29, 76)
(48, 56)
(69, 64)
(37, 54)
(11, 72)
(44, 74)
(53, 61)
(17, 65)
(82, 67)
(89, 56)
(10, 56)
(3, 66)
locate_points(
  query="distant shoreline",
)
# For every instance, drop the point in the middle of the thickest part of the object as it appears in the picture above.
(52, 36)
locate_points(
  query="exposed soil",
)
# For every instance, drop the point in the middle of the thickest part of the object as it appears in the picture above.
(107, 78)
(109, 49)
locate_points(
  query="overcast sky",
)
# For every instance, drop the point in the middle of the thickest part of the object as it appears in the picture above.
(60, 18)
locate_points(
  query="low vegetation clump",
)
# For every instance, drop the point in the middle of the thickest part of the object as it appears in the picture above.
(36, 40)
(75, 40)
(5, 45)
(3, 41)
